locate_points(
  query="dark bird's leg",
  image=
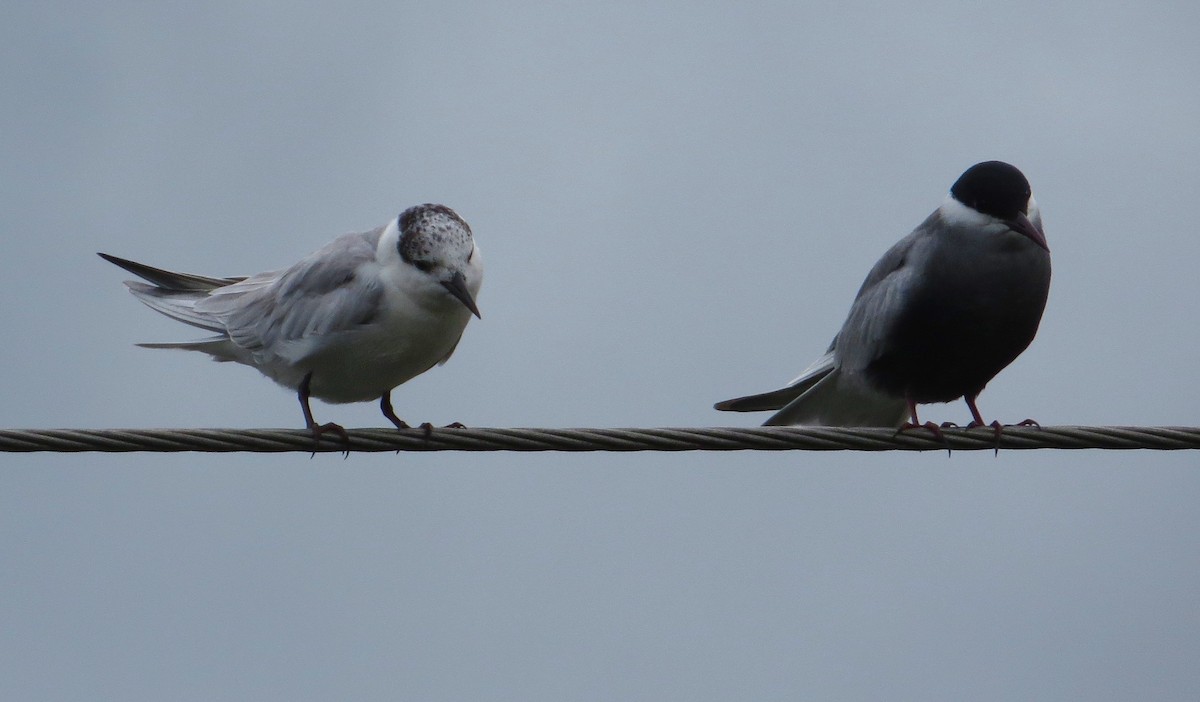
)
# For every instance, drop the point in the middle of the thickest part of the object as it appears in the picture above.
(317, 430)
(915, 423)
(997, 427)
(977, 419)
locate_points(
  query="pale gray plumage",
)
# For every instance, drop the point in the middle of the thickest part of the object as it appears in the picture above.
(285, 313)
(347, 323)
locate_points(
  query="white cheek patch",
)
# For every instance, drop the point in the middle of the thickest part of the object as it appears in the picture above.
(1034, 213)
(956, 214)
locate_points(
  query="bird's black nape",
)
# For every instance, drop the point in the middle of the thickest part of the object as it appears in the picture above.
(994, 188)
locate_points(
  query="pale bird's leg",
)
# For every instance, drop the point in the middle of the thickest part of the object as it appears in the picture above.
(385, 405)
(317, 430)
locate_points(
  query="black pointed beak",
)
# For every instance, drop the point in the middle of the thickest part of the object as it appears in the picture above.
(458, 288)
(1022, 225)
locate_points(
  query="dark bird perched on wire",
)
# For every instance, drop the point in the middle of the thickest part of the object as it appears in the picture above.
(945, 310)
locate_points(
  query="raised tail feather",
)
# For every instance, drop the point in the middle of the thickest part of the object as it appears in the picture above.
(220, 348)
(836, 401)
(170, 280)
(778, 398)
(173, 294)
(765, 401)
(822, 396)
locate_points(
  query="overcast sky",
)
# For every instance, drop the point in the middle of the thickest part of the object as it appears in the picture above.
(675, 205)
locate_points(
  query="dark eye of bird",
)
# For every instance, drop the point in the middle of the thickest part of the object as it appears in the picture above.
(424, 266)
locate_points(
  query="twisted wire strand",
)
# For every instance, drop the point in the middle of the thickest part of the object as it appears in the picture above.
(576, 440)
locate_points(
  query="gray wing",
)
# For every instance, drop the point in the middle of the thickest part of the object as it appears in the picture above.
(881, 299)
(336, 288)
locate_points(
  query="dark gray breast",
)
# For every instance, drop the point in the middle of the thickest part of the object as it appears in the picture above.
(972, 309)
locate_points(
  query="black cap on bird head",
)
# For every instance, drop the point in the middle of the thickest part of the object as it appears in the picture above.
(999, 189)
(993, 187)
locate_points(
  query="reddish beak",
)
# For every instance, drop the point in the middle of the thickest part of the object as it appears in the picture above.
(1022, 225)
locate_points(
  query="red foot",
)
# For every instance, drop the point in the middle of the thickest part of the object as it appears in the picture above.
(915, 423)
(934, 429)
(996, 426)
(931, 427)
(998, 429)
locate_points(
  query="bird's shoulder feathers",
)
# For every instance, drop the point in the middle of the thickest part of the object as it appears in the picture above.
(333, 289)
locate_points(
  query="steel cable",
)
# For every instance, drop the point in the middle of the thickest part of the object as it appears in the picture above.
(575, 440)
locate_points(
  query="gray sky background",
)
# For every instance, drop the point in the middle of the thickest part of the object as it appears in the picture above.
(676, 205)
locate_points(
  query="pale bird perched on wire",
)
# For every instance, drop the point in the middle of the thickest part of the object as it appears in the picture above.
(348, 323)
